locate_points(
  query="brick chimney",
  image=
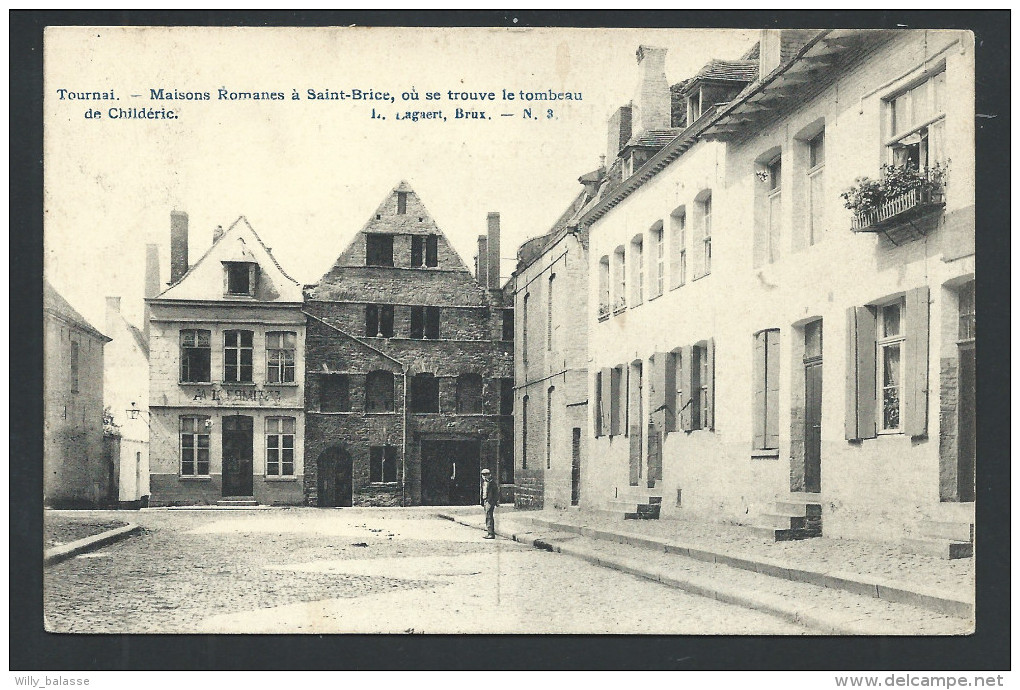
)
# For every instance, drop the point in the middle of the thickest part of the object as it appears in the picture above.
(178, 245)
(492, 243)
(652, 101)
(619, 132)
(482, 262)
(151, 282)
(112, 313)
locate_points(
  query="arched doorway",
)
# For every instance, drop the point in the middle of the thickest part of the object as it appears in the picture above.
(335, 485)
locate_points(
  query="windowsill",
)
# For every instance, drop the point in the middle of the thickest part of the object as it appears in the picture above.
(765, 454)
(384, 485)
(703, 275)
(378, 414)
(619, 310)
(195, 478)
(473, 414)
(336, 412)
(433, 414)
(194, 383)
(232, 295)
(289, 384)
(655, 297)
(890, 432)
(246, 384)
(290, 478)
(677, 287)
(604, 317)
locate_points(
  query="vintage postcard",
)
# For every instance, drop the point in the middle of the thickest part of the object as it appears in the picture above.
(509, 330)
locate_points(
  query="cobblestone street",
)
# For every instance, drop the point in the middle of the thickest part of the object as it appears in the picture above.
(358, 571)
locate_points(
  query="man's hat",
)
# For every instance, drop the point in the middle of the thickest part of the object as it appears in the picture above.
(486, 471)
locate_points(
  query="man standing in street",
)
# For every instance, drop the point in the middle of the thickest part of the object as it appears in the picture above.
(490, 497)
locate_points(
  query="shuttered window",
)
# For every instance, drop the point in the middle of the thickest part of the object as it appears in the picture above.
(605, 401)
(887, 367)
(765, 376)
(597, 397)
(616, 401)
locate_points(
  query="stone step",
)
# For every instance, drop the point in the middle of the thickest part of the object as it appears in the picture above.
(954, 512)
(942, 548)
(796, 509)
(953, 531)
(636, 492)
(803, 497)
(782, 521)
(237, 501)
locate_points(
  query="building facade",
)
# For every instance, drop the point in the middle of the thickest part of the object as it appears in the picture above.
(409, 366)
(226, 386)
(76, 473)
(757, 348)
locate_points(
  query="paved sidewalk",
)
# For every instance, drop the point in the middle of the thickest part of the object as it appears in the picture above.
(865, 560)
(811, 586)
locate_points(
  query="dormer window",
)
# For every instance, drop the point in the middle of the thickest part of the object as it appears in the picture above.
(239, 278)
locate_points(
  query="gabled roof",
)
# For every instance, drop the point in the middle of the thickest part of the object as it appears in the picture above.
(653, 138)
(239, 242)
(54, 303)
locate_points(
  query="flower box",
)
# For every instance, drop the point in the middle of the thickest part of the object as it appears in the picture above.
(902, 208)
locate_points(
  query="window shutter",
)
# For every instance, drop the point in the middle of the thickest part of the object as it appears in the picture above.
(861, 374)
(687, 377)
(758, 391)
(606, 404)
(710, 384)
(771, 389)
(669, 391)
(596, 408)
(616, 386)
(915, 369)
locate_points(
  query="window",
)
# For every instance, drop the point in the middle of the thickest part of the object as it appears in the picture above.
(676, 403)
(887, 367)
(524, 433)
(548, 426)
(705, 218)
(378, 320)
(637, 252)
(968, 313)
(549, 313)
(401, 202)
(616, 401)
(701, 372)
(890, 366)
(424, 323)
(74, 366)
(240, 277)
(604, 287)
(425, 250)
(696, 386)
(816, 187)
(195, 446)
(195, 356)
(280, 347)
(506, 396)
(378, 250)
(424, 393)
(774, 217)
(382, 464)
(917, 123)
(237, 356)
(280, 446)
(659, 277)
(678, 247)
(620, 278)
(379, 391)
(334, 393)
(765, 377)
(469, 394)
(508, 325)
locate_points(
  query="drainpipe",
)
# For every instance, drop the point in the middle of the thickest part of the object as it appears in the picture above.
(403, 446)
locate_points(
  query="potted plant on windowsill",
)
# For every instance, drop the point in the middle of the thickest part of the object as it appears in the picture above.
(902, 189)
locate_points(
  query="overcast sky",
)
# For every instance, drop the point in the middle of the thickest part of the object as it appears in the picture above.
(308, 174)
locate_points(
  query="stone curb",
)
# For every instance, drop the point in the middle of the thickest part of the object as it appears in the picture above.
(74, 548)
(895, 592)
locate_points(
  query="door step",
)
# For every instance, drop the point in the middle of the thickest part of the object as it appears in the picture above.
(949, 539)
(796, 517)
(636, 503)
(236, 501)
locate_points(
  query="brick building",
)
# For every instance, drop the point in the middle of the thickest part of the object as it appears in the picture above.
(729, 276)
(408, 366)
(226, 396)
(75, 471)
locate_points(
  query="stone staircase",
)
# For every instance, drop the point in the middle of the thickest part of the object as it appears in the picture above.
(799, 516)
(237, 501)
(949, 534)
(636, 503)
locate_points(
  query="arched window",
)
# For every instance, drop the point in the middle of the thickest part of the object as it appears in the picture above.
(424, 393)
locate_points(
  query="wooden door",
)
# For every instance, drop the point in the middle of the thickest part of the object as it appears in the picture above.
(237, 455)
(575, 467)
(335, 479)
(813, 425)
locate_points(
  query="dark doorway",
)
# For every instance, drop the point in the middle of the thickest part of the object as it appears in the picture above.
(335, 485)
(575, 468)
(237, 455)
(966, 438)
(450, 473)
(813, 407)
(636, 426)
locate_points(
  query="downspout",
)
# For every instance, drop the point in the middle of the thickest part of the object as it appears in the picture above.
(403, 444)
